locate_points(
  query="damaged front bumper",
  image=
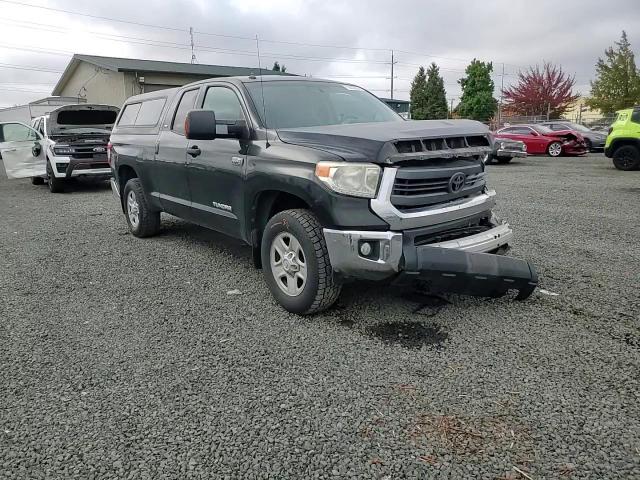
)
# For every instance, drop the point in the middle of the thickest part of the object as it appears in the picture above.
(457, 266)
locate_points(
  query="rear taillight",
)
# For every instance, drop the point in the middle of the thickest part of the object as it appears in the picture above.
(109, 147)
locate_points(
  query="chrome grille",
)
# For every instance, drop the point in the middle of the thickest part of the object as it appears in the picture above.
(416, 187)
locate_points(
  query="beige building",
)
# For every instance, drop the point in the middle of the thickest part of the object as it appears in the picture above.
(110, 80)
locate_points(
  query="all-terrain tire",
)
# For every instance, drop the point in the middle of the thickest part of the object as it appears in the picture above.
(320, 290)
(626, 157)
(56, 185)
(143, 220)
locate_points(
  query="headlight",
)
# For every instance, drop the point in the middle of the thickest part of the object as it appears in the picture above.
(355, 179)
(501, 145)
(524, 147)
(62, 150)
(485, 158)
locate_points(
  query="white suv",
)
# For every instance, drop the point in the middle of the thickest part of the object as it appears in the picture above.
(74, 140)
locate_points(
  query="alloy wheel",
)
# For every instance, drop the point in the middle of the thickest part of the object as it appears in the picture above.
(133, 209)
(555, 149)
(288, 264)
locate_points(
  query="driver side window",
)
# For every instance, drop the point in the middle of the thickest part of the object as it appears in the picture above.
(224, 102)
(17, 132)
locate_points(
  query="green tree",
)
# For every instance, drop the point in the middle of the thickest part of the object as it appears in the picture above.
(617, 83)
(477, 100)
(436, 105)
(278, 68)
(418, 95)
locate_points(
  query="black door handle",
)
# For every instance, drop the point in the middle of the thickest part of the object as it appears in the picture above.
(194, 151)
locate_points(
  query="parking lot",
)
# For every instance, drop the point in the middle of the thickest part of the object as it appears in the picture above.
(122, 357)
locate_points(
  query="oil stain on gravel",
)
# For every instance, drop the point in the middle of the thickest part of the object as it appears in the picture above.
(408, 334)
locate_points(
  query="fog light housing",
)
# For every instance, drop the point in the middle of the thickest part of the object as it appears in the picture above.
(369, 249)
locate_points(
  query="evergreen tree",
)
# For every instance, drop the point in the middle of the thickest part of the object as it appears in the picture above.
(436, 104)
(477, 100)
(418, 95)
(278, 68)
(617, 83)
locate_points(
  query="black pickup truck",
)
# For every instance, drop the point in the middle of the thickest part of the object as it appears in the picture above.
(323, 180)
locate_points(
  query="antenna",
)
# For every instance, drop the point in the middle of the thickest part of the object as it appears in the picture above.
(193, 53)
(264, 108)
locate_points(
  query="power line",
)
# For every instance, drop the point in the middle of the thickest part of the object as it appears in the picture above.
(87, 15)
(23, 67)
(238, 37)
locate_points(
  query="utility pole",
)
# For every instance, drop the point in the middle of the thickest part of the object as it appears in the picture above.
(451, 109)
(193, 53)
(392, 64)
(501, 97)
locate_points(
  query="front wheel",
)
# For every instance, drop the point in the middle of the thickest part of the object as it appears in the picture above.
(504, 160)
(554, 149)
(37, 181)
(56, 185)
(626, 158)
(295, 263)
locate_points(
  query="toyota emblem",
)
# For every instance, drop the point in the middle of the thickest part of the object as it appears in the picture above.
(456, 182)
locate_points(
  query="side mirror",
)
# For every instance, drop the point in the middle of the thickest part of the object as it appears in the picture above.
(200, 125)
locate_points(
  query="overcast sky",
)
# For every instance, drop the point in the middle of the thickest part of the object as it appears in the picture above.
(572, 33)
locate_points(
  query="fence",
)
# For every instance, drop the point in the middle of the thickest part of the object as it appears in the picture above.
(591, 120)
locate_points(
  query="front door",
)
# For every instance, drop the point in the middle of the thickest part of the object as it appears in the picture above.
(21, 151)
(216, 174)
(169, 168)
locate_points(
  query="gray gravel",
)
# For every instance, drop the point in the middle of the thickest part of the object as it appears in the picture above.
(127, 358)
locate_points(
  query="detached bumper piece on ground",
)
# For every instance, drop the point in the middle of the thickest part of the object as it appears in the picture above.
(447, 270)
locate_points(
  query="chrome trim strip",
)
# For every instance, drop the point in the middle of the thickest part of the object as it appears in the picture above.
(480, 242)
(433, 215)
(346, 259)
(199, 206)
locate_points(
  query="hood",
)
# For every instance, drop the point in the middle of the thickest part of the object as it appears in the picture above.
(390, 142)
(565, 133)
(78, 119)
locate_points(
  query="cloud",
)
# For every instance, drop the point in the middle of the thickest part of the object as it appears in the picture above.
(451, 33)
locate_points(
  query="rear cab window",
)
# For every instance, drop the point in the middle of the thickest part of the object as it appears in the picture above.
(142, 114)
(129, 115)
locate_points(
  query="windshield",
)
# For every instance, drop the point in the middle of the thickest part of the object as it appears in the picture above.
(299, 103)
(542, 129)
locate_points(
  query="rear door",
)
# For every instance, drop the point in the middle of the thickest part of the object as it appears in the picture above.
(216, 174)
(169, 168)
(21, 151)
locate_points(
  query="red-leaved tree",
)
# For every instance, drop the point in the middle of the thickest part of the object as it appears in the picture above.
(541, 91)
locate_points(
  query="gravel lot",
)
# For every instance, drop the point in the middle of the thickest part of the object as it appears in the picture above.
(127, 358)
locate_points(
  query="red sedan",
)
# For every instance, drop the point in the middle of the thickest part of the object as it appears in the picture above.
(540, 140)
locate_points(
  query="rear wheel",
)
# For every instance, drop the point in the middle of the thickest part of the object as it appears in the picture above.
(56, 185)
(626, 157)
(504, 160)
(554, 149)
(37, 181)
(143, 221)
(296, 263)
